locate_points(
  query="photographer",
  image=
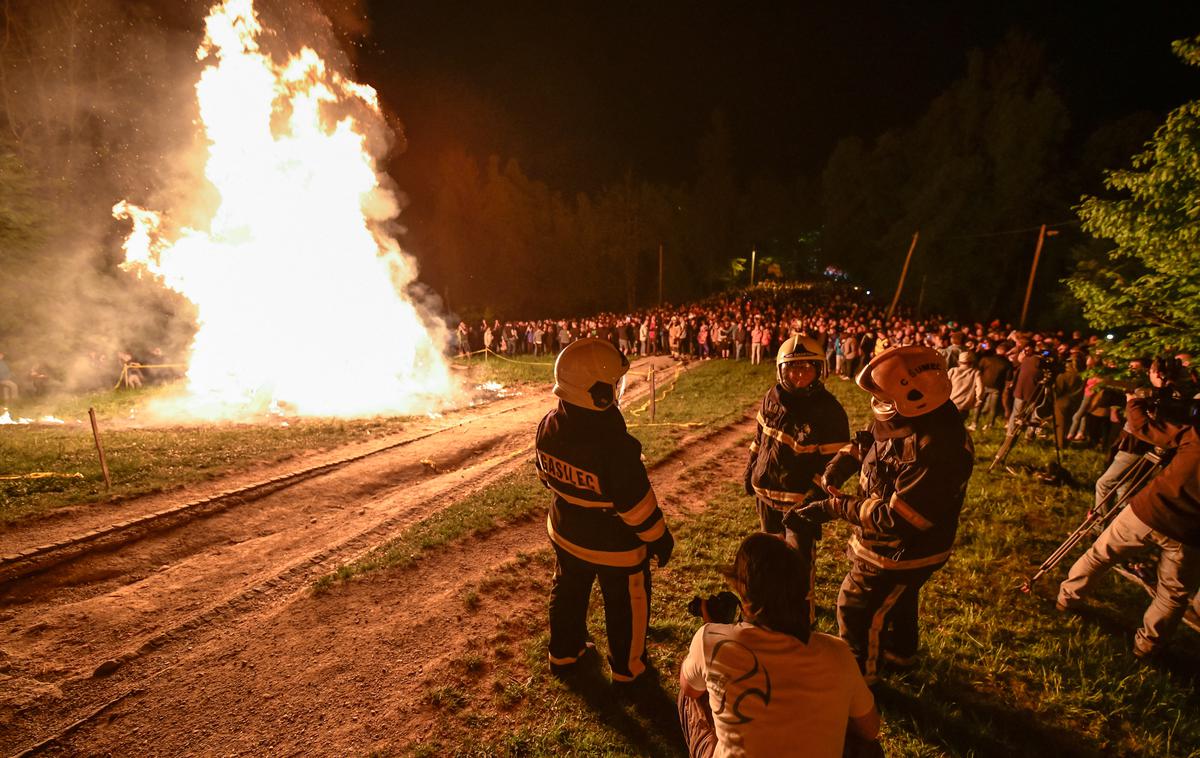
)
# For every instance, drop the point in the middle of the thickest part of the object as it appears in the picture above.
(1129, 447)
(915, 460)
(800, 426)
(995, 372)
(769, 686)
(1025, 385)
(1166, 514)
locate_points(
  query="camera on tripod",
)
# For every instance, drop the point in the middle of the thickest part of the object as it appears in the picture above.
(1047, 367)
(1170, 405)
(721, 608)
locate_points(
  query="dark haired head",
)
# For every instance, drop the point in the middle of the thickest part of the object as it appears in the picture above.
(1168, 367)
(773, 582)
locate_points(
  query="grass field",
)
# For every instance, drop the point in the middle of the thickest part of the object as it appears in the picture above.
(1003, 674)
(708, 395)
(148, 459)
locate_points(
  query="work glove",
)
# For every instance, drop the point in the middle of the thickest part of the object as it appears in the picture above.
(821, 511)
(863, 440)
(661, 548)
(841, 467)
(749, 480)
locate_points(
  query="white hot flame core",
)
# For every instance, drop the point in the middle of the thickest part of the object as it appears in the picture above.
(299, 296)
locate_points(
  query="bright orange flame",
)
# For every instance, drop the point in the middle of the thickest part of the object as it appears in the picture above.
(298, 293)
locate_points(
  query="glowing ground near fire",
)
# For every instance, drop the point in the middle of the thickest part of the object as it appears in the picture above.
(300, 289)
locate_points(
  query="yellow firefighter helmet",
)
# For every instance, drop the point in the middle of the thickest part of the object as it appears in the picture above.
(590, 373)
(910, 380)
(797, 349)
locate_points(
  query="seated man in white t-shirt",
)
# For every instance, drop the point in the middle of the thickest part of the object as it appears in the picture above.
(768, 686)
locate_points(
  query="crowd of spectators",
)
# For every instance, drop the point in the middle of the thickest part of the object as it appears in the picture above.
(995, 369)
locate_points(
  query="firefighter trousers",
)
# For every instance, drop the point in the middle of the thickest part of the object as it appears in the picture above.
(626, 594)
(877, 614)
(770, 519)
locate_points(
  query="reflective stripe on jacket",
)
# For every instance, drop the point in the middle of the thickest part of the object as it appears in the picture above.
(604, 510)
(912, 484)
(797, 436)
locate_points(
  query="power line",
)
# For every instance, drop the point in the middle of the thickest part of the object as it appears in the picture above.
(1006, 232)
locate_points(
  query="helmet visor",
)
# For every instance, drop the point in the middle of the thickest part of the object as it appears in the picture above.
(619, 390)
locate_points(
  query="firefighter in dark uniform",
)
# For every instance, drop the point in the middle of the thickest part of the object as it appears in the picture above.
(604, 522)
(914, 461)
(800, 427)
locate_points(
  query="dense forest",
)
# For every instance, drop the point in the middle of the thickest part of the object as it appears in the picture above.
(990, 160)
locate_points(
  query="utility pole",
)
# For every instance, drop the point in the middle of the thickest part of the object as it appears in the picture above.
(753, 257)
(1037, 253)
(660, 273)
(903, 273)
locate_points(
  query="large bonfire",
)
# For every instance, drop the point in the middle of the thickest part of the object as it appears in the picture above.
(299, 290)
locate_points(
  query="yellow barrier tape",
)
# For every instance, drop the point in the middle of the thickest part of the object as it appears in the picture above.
(501, 356)
(40, 475)
(125, 370)
(489, 351)
(510, 360)
(687, 424)
(666, 391)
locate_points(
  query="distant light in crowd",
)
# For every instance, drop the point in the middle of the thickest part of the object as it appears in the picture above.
(1109, 336)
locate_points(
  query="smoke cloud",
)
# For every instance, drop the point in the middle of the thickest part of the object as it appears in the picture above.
(97, 105)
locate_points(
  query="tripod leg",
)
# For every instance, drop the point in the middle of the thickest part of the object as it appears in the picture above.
(1002, 452)
(1017, 423)
(1057, 429)
(1099, 517)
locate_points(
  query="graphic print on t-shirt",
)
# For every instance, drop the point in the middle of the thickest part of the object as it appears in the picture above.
(753, 680)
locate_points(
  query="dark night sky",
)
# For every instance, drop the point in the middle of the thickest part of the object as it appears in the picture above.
(580, 92)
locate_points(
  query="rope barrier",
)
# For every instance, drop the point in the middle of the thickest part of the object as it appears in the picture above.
(488, 351)
(685, 424)
(666, 391)
(40, 475)
(501, 356)
(124, 378)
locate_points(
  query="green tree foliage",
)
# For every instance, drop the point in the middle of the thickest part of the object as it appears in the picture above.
(1148, 283)
(983, 158)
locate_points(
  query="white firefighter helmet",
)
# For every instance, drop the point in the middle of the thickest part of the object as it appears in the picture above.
(909, 380)
(796, 349)
(590, 373)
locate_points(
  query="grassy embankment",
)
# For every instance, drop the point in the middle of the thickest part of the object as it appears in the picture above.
(707, 396)
(1003, 674)
(144, 460)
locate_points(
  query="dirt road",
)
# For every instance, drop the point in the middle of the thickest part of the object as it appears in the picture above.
(205, 637)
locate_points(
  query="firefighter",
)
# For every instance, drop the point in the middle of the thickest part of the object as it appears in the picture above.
(914, 461)
(605, 523)
(800, 427)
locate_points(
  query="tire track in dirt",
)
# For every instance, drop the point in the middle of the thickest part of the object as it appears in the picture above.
(345, 672)
(110, 611)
